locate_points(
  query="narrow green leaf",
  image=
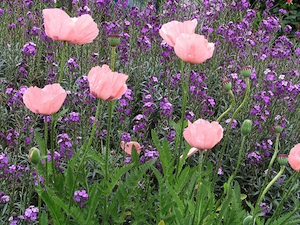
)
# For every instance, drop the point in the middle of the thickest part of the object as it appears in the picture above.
(93, 201)
(116, 175)
(53, 208)
(43, 218)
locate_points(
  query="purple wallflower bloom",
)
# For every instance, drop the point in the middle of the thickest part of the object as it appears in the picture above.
(126, 137)
(31, 213)
(288, 29)
(265, 208)
(1, 12)
(84, 10)
(81, 196)
(29, 49)
(166, 107)
(189, 115)
(4, 198)
(254, 157)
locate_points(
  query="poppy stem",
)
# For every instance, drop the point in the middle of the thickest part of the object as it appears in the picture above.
(248, 88)
(63, 60)
(111, 105)
(52, 145)
(230, 107)
(199, 199)
(271, 163)
(184, 88)
(44, 150)
(256, 209)
(112, 60)
(86, 150)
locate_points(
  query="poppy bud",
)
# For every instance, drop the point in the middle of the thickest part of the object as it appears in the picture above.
(227, 85)
(34, 155)
(246, 127)
(282, 159)
(278, 129)
(246, 71)
(114, 40)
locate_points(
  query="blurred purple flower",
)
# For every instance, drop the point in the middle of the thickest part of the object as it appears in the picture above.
(81, 196)
(29, 49)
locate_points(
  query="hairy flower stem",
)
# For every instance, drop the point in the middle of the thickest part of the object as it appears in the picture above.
(238, 162)
(257, 206)
(184, 87)
(230, 107)
(112, 60)
(229, 126)
(231, 178)
(38, 192)
(44, 151)
(199, 199)
(273, 158)
(62, 63)
(52, 145)
(85, 152)
(111, 106)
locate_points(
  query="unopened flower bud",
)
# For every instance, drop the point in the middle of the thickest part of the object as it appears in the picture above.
(246, 71)
(278, 129)
(246, 127)
(114, 40)
(34, 155)
(282, 159)
(227, 85)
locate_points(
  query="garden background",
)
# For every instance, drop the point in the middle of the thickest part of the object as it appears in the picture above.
(83, 176)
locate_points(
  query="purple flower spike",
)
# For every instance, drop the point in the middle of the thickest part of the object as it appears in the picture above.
(29, 49)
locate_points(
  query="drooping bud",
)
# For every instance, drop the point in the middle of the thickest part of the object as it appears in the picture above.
(282, 159)
(246, 127)
(34, 155)
(114, 40)
(227, 85)
(246, 71)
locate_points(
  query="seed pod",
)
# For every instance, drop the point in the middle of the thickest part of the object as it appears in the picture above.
(246, 127)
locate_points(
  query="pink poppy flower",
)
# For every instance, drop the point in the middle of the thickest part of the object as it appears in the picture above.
(202, 134)
(127, 146)
(105, 84)
(294, 157)
(171, 30)
(193, 48)
(46, 101)
(60, 26)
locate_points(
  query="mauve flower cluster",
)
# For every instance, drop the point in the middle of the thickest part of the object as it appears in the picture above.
(166, 107)
(81, 196)
(148, 153)
(125, 107)
(198, 90)
(65, 145)
(3, 198)
(30, 214)
(13, 172)
(29, 49)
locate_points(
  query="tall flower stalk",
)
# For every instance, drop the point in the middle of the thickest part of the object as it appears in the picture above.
(85, 152)
(62, 62)
(245, 100)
